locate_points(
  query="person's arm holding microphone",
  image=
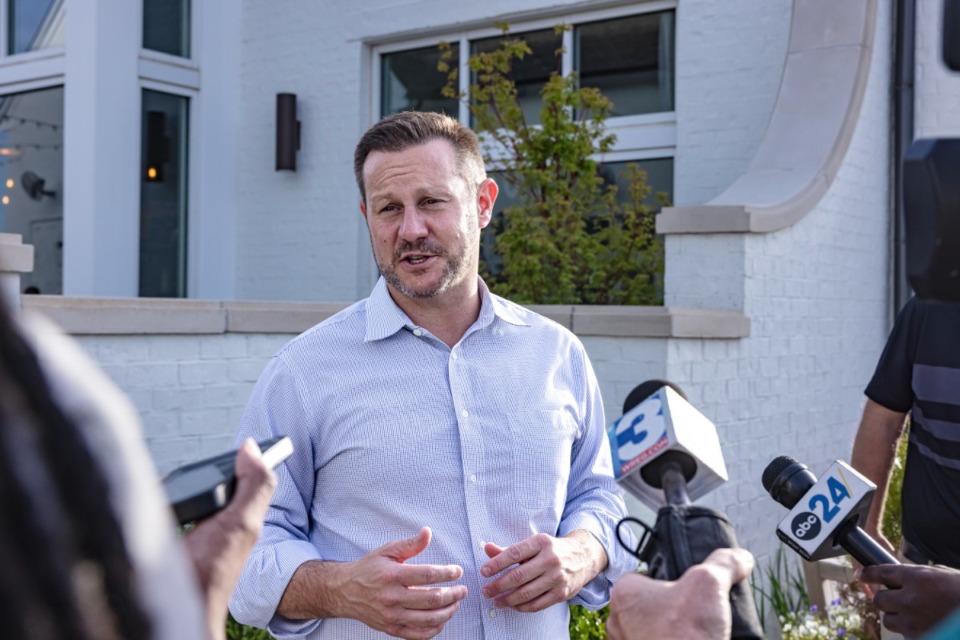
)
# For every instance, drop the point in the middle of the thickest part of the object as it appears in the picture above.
(641, 607)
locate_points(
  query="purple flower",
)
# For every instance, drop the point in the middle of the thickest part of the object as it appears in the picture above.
(835, 602)
(813, 608)
(841, 632)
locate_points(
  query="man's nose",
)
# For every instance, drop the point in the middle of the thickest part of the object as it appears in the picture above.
(413, 224)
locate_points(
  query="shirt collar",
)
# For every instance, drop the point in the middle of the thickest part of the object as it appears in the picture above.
(385, 318)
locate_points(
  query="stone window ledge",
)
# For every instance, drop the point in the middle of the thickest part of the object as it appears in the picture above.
(141, 316)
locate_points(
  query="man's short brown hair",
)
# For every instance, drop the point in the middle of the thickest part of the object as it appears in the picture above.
(400, 131)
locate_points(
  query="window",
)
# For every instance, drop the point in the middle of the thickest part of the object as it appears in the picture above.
(163, 195)
(410, 82)
(166, 26)
(630, 58)
(31, 181)
(33, 25)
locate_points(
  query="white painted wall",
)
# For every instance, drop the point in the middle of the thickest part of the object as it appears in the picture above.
(937, 97)
(190, 390)
(817, 295)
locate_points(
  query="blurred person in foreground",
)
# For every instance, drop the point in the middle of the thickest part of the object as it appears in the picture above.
(451, 472)
(88, 544)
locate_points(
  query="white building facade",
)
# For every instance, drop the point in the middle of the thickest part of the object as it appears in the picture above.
(769, 122)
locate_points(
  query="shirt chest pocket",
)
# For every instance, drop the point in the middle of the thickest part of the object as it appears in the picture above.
(542, 445)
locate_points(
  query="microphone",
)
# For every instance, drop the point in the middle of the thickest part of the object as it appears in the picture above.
(664, 450)
(659, 437)
(824, 513)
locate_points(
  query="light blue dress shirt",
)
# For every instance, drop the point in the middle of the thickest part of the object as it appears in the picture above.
(497, 439)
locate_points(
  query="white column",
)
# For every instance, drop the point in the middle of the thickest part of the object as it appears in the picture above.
(101, 217)
(211, 262)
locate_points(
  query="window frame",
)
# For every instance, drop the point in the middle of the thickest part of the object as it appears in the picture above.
(639, 136)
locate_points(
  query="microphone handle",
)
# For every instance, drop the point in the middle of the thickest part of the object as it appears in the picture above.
(862, 547)
(674, 485)
(743, 609)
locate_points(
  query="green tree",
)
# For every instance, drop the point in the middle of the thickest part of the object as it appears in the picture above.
(569, 241)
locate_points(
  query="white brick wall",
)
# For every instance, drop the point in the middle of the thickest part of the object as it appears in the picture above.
(730, 56)
(937, 97)
(818, 299)
(190, 390)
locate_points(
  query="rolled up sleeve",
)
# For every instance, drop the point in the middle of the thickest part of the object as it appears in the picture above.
(276, 409)
(594, 499)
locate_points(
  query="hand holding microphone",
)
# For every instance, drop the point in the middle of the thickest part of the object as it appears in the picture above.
(665, 451)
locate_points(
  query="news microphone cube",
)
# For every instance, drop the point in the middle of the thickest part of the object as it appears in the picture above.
(664, 422)
(841, 494)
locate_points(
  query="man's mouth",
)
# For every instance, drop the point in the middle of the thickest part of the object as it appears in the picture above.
(416, 259)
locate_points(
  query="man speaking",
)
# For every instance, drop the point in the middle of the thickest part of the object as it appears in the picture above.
(452, 475)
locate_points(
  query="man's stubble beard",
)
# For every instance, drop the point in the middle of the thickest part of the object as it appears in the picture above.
(453, 271)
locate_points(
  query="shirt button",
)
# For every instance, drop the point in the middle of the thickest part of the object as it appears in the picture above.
(473, 477)
(465, 413)
(493, 613)
(453, 354)
(417, 332)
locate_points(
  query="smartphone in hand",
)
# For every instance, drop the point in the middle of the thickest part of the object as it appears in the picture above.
(200, 489)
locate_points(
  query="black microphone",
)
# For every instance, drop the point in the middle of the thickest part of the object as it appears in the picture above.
(824, 515)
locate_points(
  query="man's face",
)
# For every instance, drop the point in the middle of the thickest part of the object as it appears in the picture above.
(425, 219)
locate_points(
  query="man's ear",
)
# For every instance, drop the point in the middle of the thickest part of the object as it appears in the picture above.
(363, 207)
(486, 198)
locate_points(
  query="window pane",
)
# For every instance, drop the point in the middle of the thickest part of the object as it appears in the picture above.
(533, 71)
(34, 24)
(166, 26)
(659, 178)
(163, 195)
(31, 181)
(630, 60)
(410, 82)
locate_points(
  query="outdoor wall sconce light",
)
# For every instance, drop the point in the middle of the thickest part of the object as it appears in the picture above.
(288, 132)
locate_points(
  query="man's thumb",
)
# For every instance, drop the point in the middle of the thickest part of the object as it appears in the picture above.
(403, 550)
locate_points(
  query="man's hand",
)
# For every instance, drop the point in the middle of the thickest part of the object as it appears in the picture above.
(219, 546)
(390, 596)
(548, 570)
(695, 607)
(916, 597)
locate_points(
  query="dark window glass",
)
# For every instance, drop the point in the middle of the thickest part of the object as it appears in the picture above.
(533, 71)
(34, 24)
(631, 61)
(163, 195)
(31, 182)
(410, 81)
(166, 26)
(659, 177)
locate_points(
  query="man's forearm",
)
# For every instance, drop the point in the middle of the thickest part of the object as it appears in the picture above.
(874, 449)
(314, 592)
(592, 549)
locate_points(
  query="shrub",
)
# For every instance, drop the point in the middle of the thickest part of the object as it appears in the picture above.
(569, 240)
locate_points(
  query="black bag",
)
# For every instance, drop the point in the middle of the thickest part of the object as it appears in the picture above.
(684, 536)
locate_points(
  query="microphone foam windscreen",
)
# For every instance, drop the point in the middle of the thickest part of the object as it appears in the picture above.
(776, 466)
